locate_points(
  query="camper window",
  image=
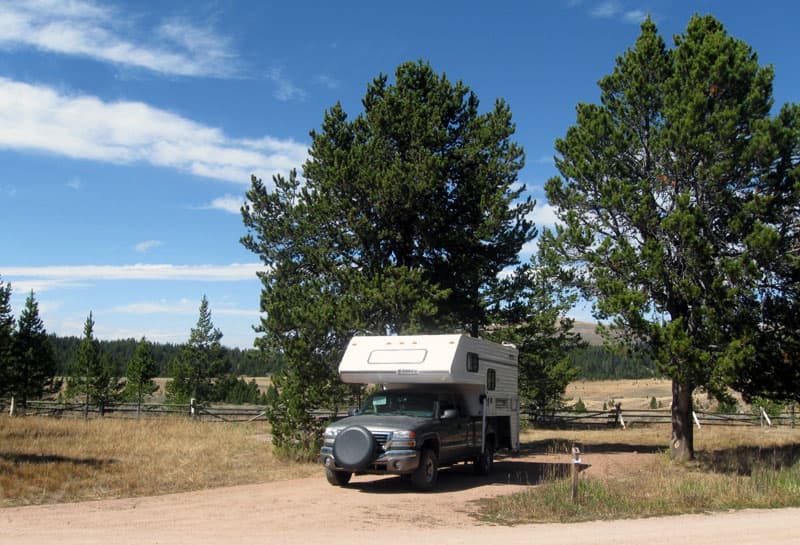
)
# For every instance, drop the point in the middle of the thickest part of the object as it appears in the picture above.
(491, 379)
(472, 362)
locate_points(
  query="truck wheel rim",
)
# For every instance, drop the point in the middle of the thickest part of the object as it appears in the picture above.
(429, 469)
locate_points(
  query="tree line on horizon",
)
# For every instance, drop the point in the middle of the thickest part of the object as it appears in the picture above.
(35, 364)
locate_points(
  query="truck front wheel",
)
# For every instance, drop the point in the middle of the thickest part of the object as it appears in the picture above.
(424, 477)
(337, 478)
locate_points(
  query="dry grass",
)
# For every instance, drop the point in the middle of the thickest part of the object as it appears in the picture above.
(736, 468)
(633, 394)
(46, 460)
(707, 439)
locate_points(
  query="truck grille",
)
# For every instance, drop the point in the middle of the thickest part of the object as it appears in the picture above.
(380, 437)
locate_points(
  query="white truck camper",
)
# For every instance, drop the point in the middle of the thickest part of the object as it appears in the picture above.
(484, 373)
(451, 398)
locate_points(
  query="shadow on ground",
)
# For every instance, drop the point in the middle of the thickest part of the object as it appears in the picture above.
(744, 460)
(564, 447)
(41, 459)
(507, 471)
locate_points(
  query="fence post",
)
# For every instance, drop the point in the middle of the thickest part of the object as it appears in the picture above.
(765, 416)
(11, 408)
(192, 410)
(576, 459)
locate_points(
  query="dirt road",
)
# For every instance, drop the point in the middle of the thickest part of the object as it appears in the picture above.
(371, 510)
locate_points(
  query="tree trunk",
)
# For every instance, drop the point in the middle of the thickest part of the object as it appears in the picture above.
(682, 444)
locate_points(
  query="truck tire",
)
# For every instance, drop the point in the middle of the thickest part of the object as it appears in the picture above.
(424, 477)
(485, 462)
(354, 448)
(337, 478)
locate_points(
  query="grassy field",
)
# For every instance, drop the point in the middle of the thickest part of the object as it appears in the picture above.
(735, 468)
(632, 394)
(47, 460)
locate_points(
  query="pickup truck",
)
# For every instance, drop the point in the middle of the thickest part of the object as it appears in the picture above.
(407, 432)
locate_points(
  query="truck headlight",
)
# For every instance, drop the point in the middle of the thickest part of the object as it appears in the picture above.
(404, 439)
(329, 436)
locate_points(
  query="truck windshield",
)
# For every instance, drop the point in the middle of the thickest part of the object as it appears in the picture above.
(400, 404)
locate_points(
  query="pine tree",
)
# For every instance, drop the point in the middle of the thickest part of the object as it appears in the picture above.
(677, 192)
(141, 370)
(405, 218)
(106, 387)
(86, 369)
(33, 368)
(6, 338)
(199, 363)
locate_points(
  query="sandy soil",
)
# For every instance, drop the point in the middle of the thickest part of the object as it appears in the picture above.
(372, 509)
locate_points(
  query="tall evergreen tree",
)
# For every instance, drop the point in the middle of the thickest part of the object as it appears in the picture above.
(141, 371)
(406, 216)
(200, 361)
(86, 369)
(662, 198)
(6, 338)
(106, 386)
(33, 365)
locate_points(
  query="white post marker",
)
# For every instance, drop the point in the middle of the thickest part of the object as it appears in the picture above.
(576, 460)
(766, 416)
(696, 420)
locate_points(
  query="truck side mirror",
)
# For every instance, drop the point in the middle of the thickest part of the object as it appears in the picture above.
(449, 413)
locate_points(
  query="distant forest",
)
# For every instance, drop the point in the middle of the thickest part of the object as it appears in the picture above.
(593, 362)
(600, 363)
(243, 362)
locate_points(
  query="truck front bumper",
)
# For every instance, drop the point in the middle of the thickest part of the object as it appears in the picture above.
(397, 462)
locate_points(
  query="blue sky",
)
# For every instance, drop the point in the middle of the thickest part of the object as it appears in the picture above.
(129, 130)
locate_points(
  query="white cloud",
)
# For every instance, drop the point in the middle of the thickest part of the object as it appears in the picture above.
(611, 9)
(84, 127)
(76, 274)
(41, 285)
(544, 214)
(635, 16)
(286, 90)
(83, 28)
(183, 306)
(226, 203)
(528, 249)
(606, 10)
(147, 245)
(75, 183)
(329, 82)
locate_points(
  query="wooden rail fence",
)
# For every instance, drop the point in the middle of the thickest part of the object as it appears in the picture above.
(624, 418)
(219, 413)
(616, 417)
